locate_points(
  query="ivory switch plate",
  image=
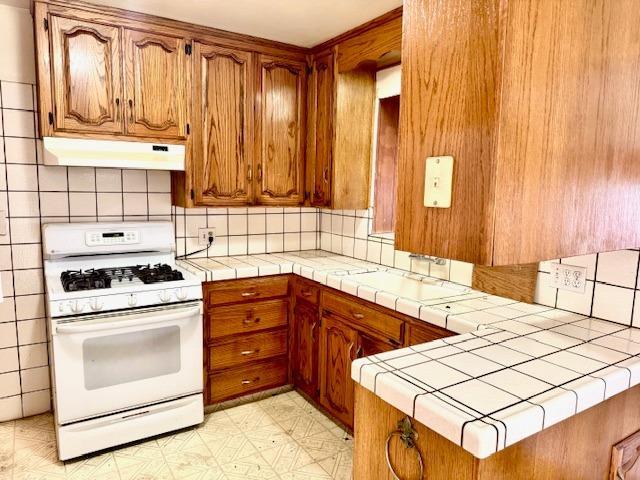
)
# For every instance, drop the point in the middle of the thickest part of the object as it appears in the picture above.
(438, 182)
(568, 277)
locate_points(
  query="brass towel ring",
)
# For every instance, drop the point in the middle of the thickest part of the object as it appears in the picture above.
(408, 437)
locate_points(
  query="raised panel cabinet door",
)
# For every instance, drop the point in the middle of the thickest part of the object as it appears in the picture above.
(338, 345)
(223, 120)
(86, 75)
(325, 90)
(155, 77)
(280, 162)
(306, 322)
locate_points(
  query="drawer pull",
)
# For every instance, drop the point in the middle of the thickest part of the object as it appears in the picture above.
(249, 352)
(306, 293)
(248, 294)
(250, 321)
(249, 382)
(357, 315)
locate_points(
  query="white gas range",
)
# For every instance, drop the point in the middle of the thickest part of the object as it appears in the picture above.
(125, 331)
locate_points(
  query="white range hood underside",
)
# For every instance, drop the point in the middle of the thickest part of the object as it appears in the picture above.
(116, 154)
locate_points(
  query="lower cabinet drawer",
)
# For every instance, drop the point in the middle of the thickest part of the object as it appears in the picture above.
(248, 348)
(246, 318)
(247, 379)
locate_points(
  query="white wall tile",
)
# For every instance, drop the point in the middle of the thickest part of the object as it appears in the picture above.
(22, 177)
(35, 379)
(32, 356)
(9, 384)
(24, 204)
(32, 331)
(29, 307)
(308, 240)
(108, 180)
(134, 180)
(82, 179)
(238, 224)
(291, 222)
(18, 123)
(20, 150)
(10, 408)
(275, 223)
(82, 204)
(54, 204)
(27, 256)
(52, 178)
(109, 204)
(34, 403)
(159, 204)
(17, 95)
(28, 282)
(613, 303)
(618, 268)
(135, 204)
(257, 224)
(576, 302)
(9, 360)
(159, 181)
(25, 230)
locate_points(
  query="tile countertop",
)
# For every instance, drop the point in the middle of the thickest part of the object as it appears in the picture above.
(514, 370)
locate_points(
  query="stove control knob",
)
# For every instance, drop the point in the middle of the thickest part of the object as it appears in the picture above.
(132, 300)
(181, 294)
(76, 307)
(96, 304)
(164, 296)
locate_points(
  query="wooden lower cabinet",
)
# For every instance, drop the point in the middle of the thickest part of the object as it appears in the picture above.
(247, 336)
(338, 345)
(267, 332)
(305, 324)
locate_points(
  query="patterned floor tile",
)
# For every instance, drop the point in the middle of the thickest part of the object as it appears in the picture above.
(278, 438)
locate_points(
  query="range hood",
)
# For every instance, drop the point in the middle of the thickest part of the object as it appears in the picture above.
(109, 153)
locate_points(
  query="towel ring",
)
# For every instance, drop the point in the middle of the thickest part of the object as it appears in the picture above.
(408, 437)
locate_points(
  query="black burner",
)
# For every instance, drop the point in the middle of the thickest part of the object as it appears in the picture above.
(74, 280)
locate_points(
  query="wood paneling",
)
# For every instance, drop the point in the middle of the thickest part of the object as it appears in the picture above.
(384, 208)
(338, 345)
(351, 169)
(246, 318)
(569, 137)
(512, 281)
(223, 126)
(235, 291)
(305, 350)
(86, 76)
(280, 162)
(576, 448)
(450, 53)
(155, 73)
(370, 45)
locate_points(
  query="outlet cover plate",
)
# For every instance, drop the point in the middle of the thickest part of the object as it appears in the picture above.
(571, 278)
(204, 234)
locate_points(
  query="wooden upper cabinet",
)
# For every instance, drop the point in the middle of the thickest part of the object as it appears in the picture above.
(543, 129)
(86, 76)
(156, 85)
(321, 148)
(281, 127)
(223, 126)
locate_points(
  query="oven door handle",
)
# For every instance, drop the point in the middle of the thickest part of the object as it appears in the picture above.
(101, 326)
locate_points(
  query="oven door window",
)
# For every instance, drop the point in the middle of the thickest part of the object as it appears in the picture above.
(130, 357)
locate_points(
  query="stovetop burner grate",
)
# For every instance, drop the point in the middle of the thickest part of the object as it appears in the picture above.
(92, 279)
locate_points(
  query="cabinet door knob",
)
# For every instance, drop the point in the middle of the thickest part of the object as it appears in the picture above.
(325, 175)
(248, 321)
(244, 353)
(131, 110)
(259, 172)
(248, 382)
(357, 315)
(248, 294)
(249, 173)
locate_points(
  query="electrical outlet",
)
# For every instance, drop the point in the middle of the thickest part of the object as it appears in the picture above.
(568, 277)
(204, 234)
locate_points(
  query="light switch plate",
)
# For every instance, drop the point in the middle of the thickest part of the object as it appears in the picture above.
(438, 182)
(204, 234)
(568, 277)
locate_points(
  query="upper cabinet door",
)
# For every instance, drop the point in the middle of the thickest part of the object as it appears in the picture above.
(324, 80)
(87, 80)
(155, 82)
(223, 122)
(280, 163)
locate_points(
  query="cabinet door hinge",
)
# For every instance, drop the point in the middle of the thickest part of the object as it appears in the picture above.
(188, 48)
(46, 24)
(50, 118)
(188, 129)
(193, 194)
(306, 195)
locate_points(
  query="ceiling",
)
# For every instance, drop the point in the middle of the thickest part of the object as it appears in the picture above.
(300, 22)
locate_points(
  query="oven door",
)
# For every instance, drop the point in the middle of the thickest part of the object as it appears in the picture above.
(112, 362)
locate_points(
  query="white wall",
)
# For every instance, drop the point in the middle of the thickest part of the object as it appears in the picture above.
(16, 45)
